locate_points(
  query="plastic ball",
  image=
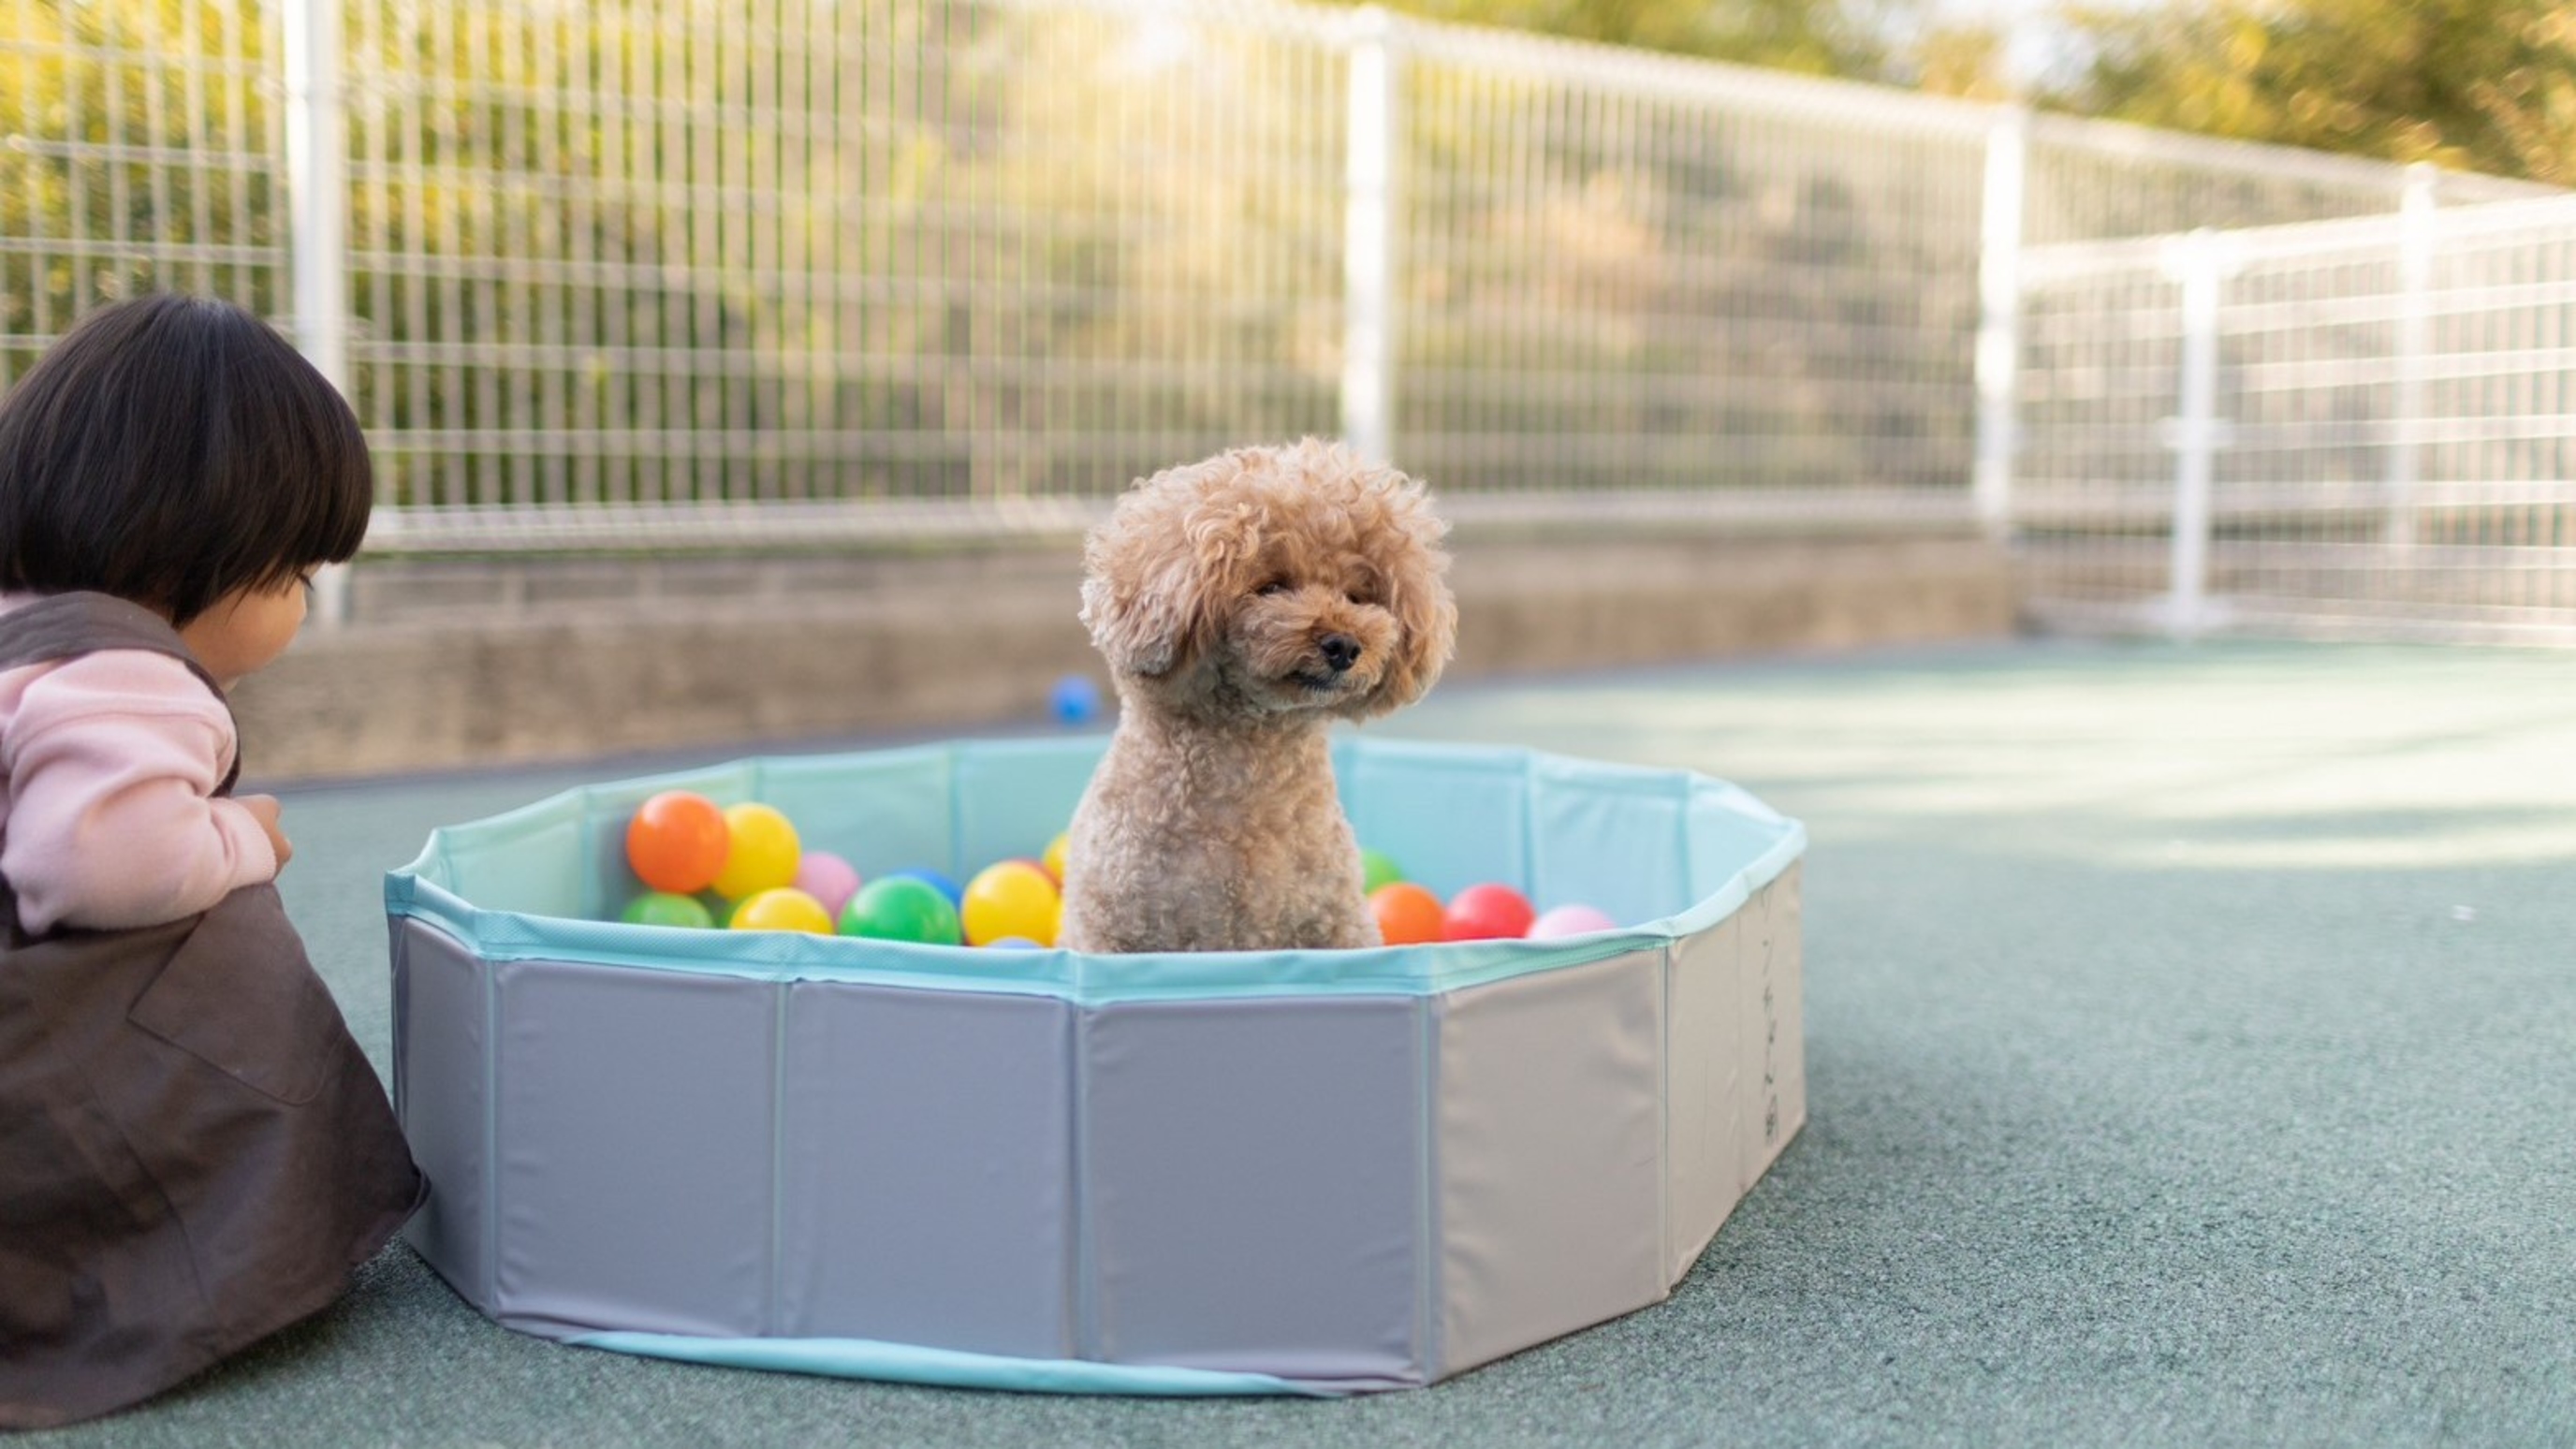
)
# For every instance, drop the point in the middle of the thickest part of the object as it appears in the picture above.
(677, 841)
(1054, 858)
(933, 879)
(1013, 943)
(1407, 915)
(1074, 699)
(901, 908)
(664, 908)
(1012, 898)
(1570, 921)
(827, 878)
(764, 853)
(1488, 912)
(1377, 868)
(780, 908)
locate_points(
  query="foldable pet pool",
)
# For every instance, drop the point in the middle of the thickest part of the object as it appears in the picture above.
(1299, 1171)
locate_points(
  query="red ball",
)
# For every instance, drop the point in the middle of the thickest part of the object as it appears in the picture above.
(1488, 912)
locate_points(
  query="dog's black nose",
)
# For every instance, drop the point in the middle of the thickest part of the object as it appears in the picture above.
(1340, 651)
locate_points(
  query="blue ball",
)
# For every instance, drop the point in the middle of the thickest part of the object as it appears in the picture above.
(1074, 699)
(956, 893)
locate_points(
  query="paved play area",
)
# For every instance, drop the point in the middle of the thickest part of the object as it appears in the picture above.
(2191, 1039)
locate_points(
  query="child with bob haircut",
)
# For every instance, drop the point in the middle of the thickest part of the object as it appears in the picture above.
(193, 1152)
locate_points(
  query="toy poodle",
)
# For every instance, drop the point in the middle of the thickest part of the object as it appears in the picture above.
(1244, 604)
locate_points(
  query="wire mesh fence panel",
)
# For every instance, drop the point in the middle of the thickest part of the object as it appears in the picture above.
(2092, 488)
(2396, 411)
(739, 265)
(137, 154)
(1638, 276)
(665, 273)
(2092, 180)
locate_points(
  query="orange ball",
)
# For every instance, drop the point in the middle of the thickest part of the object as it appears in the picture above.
(1407, 915)
(677, 841)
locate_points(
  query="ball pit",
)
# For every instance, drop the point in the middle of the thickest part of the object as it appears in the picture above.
(1266, 1172)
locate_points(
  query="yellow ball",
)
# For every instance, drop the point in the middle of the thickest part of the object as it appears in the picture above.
(1013, 898)
(763, 855)
(1055, 853)
(781, 908)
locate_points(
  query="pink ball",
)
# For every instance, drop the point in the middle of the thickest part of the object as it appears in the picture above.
(827, 878)
(1570, 921)
(1487, 912)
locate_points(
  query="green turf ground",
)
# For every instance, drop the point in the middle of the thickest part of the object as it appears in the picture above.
(2192, 1060)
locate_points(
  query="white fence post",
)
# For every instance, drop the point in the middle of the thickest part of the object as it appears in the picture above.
(1368, 236)
(1999, 318)
(2196, 432)
(317, 194)
(2414, 340)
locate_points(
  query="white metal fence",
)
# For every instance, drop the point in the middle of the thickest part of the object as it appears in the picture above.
(2362, 427)
(670, 272)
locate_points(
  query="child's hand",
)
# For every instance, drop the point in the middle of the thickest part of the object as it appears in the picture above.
(263, 808)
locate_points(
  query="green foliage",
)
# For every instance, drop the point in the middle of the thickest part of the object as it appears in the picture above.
(2485, 85)
(119, 173)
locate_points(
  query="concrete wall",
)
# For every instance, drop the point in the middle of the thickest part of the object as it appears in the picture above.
(452, 663)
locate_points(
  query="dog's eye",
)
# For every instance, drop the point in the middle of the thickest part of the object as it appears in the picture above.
(1275, 586)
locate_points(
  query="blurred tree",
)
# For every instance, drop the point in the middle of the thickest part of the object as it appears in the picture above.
(1969, 61)
(2486, 85)
(90, 209)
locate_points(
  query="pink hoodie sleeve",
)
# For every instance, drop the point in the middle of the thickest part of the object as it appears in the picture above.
(112, 761)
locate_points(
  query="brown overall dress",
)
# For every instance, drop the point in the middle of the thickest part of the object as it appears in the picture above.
(193, 1152)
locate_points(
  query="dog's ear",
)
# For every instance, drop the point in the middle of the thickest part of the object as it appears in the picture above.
(1161, 573)
(1140, 629)
(1417, 593)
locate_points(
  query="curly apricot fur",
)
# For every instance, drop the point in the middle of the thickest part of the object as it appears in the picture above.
(1244, 603)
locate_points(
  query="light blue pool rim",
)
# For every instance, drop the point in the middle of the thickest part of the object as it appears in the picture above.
(420, 890)
(904, 1363)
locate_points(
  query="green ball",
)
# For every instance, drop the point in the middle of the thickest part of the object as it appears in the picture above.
(1376, 869)
(900, 908)
(661, 908)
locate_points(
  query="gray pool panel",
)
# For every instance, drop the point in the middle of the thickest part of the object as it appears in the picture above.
(1280, 1172)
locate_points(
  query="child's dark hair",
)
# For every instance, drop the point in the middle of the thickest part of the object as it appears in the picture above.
(171, 450)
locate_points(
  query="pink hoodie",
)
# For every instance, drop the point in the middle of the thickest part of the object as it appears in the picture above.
(107, 817)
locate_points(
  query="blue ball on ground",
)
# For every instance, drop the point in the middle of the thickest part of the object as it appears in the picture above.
(1075, 700)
